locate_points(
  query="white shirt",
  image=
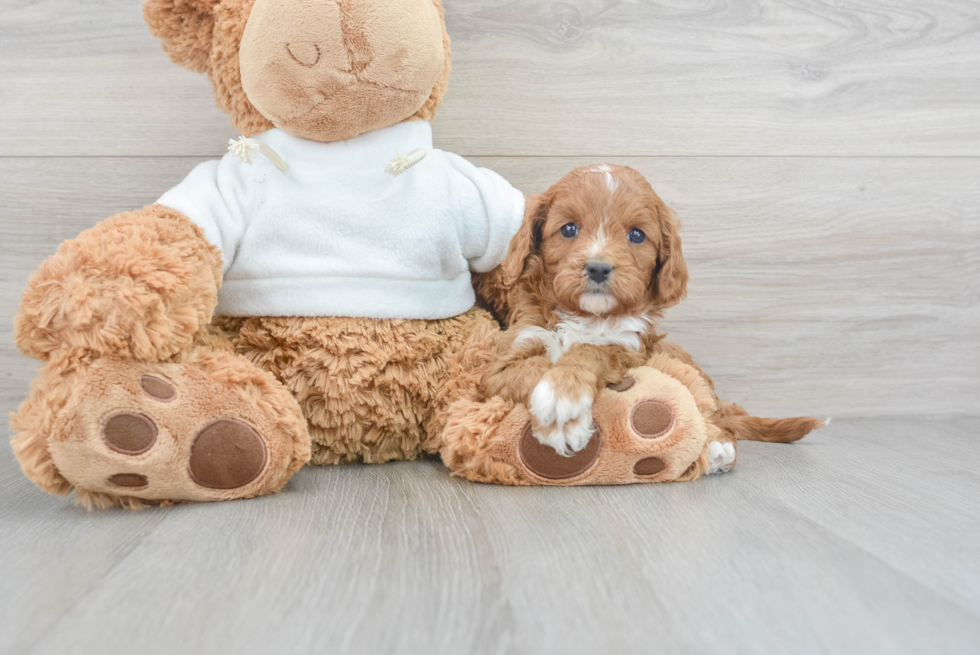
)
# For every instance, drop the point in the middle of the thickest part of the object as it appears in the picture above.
(335, 235)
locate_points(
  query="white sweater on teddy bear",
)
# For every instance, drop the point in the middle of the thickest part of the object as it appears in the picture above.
(336, 235)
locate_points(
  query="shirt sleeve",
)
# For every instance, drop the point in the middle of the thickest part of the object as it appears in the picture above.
(215, 198)
(491, 210)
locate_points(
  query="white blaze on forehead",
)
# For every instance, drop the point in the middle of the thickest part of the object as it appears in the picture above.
(611, 182)
(599, 243)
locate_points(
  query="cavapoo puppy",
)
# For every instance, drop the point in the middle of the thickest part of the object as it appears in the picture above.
(596, 261)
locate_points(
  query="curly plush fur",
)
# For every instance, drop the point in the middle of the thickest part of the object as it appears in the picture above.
(140, 284)
(371, 391)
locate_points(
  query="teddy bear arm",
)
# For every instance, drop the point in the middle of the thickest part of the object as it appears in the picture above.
(140, 284)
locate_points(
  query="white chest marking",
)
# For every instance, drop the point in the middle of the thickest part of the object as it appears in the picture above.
(627, 332)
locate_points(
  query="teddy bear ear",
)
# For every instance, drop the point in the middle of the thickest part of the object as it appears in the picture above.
(429, 109)
(185, 27)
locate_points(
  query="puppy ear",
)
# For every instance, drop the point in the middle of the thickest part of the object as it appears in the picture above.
(669, 284)
(493, 289)
(527, 241)
(185, 27)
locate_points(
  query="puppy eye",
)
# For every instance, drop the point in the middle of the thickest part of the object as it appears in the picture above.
(636, 236)
(569, 231)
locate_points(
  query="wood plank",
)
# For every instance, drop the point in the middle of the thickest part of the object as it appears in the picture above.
(403, 558)
(844, 287)
(783, 77)
(870, 482)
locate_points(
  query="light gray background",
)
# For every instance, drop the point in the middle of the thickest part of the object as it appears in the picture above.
(825, 160)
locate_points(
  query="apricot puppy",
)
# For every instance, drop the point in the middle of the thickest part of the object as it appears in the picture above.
(596, 261)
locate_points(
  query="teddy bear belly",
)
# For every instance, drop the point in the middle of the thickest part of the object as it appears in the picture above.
(368, 388)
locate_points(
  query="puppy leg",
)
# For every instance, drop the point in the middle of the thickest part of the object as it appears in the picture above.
(721, 456)
(561, 408)
(561, 404)
(516, 371)
(558, 397)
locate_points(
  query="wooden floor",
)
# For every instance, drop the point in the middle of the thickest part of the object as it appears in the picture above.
(863, 539)
(825, 160)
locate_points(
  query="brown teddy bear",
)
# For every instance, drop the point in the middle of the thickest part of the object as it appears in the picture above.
(337, 247)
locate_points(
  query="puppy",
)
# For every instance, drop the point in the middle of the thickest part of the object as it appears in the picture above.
(596, 261)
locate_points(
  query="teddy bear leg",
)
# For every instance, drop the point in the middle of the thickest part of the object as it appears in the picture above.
(205, 426)
(478, 441)
(472, 345)
(721, 445)
(648, 428)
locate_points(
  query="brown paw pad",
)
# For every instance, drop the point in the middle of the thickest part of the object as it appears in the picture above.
(544, 462)
(227, 454)
(625, 384)
(649, 466)
(129, 433)
(652, 419)
(158, 389)
(128, 480)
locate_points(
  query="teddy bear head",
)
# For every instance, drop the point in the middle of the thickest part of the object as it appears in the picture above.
(325, 70)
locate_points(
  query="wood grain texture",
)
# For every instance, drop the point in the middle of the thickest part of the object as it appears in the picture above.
(841, 287)
(801, 550)
(570, 77)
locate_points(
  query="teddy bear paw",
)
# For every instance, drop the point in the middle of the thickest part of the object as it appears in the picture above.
(179, 432)
(645, 428)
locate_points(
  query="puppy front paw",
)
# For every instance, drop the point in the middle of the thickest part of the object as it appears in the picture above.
(721, 457)
(561, 411)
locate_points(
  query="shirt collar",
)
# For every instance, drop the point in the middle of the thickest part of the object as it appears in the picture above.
(372, 150)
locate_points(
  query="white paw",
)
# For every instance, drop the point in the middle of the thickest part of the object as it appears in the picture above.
(565, 423)
(721, 456)
(543, 403)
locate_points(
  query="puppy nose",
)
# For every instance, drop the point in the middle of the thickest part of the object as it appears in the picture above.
(598, 272)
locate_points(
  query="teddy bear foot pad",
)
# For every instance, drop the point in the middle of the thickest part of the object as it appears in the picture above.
(647, 428)
(650, 420)
(171, 432)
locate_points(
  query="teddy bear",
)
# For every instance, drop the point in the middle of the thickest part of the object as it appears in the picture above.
(308, 298)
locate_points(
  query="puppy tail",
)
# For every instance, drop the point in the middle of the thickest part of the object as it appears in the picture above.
(771, 430)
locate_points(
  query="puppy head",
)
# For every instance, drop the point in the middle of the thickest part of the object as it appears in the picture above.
(602, 243)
